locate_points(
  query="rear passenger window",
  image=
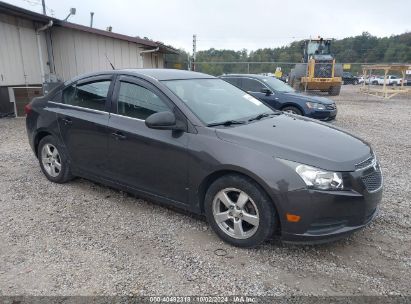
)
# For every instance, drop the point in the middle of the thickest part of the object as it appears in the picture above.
(138, 102)
(91, 95)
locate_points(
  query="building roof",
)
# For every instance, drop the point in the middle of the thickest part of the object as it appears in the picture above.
(27, 14)
(9, 9)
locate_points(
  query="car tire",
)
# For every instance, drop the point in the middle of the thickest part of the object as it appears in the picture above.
(53, 160)
(239, 211)
(297, 85)
(334, 91)
(293, 110)
(355, 82)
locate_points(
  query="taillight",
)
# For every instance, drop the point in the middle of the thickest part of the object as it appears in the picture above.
(27, 109)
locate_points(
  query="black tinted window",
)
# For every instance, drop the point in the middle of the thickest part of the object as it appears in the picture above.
(233, 81)
(251, 85)
(138, 102)
(90, 95)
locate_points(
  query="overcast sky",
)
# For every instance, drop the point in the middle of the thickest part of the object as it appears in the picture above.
(235, 24)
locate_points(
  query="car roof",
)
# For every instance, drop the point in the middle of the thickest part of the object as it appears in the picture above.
(167, 74)
(247, 75)
(157, 74)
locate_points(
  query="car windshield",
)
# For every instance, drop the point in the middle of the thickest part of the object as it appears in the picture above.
(277, 85)
(215, 100)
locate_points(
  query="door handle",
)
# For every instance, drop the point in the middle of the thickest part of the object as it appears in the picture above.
(67, 121)
(119, 135)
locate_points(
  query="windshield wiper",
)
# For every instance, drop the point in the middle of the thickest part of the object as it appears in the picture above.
(262, 115)
(227, 123)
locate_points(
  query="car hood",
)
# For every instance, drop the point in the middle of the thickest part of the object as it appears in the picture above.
(295, 95)
(302, 140)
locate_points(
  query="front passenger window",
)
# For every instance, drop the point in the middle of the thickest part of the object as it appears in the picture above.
(251, 85)
(138, 102)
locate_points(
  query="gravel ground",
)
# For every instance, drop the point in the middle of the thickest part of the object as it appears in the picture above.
(86, 239)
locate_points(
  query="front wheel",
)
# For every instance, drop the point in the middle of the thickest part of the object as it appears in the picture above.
(53, 160)
(239, 211)
(293, 110)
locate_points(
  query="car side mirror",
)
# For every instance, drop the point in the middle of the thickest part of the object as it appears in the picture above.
(266, 91)
(164, 121)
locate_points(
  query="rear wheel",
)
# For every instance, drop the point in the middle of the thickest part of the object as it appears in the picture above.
(334, 91)
(297, 85)
(239, 211)
(53, 161)
(293, 110)
(296, 73)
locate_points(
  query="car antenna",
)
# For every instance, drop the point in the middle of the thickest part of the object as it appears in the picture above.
(112, 66)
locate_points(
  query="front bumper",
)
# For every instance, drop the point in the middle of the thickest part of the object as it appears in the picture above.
(325, 115)
(323, 236)
(330, 215)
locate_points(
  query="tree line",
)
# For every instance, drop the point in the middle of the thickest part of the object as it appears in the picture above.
(364, 48)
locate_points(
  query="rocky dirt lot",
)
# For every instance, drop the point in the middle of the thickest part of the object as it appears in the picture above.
(82, 238)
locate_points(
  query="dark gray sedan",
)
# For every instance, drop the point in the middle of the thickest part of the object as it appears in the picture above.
(196, 142)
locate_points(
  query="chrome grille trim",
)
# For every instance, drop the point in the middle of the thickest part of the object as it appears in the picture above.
(331, 107)
(366, 163)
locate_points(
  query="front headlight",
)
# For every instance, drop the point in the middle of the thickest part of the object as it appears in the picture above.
(315, 105)
(319, 179)
(316, 178)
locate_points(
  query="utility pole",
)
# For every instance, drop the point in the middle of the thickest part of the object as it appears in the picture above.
(43, 4)
(193, 66)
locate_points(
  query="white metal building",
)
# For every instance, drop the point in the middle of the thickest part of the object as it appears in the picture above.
(35, 48)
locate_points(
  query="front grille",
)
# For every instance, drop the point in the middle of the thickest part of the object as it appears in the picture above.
(323, 69)
(366, 163)
(330, 107)
(372, 181)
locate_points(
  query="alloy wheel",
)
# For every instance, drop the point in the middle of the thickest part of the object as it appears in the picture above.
(51, 160)
(291, 111)
(235, 213)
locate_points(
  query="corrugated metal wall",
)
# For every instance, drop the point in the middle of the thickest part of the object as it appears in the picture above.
(153, 60)
(19, 56)
(77, 52)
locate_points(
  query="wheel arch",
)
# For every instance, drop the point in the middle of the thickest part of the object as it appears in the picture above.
(40, 134)
(295, 105)
(209, 179)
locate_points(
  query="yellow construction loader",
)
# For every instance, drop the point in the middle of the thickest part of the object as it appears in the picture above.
(318, 70)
